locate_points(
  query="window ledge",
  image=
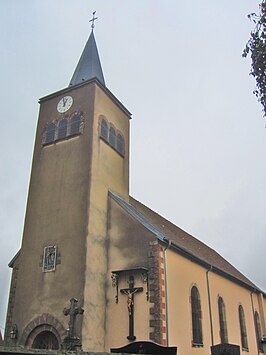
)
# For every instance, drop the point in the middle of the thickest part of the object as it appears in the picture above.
(197, 345)
(57, 140)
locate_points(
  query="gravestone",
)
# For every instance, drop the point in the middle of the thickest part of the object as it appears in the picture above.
(225, 349)
(146, 347)
(71, 342)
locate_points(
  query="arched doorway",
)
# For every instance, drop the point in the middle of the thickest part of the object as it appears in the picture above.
(43, 332)
(45, 340)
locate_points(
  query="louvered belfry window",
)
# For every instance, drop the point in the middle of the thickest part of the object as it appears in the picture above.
(75, 125)
(196, 317)
(222, 321)
(62, 129)
(109, 134)
(104, 129)
(50, 133)
(120, 144)
(112, 137)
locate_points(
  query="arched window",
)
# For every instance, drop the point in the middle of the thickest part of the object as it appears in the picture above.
(120, 144)
(45, 340)
(222, 321)
(243, 329)
(112, 137)
(62, 129)
(50, 133)
(104, 129)
(258, 331)
(196, 317)
(75, 125)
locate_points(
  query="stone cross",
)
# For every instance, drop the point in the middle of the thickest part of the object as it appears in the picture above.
(130, 305)
(73, 311)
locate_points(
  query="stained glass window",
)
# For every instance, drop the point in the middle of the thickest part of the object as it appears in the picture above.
(243, 329)
(222, 321)
(258, 331)
(196, 317)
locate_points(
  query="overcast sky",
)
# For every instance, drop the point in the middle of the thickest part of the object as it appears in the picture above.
(198, 140)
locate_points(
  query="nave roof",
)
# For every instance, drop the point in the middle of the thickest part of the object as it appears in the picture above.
(183, 242)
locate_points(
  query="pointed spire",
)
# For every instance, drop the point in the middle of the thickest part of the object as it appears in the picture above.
(89, 65)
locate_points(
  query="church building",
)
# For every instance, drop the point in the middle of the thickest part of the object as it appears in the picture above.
(97, 267)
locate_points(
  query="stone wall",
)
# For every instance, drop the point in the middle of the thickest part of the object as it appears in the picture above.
(157, 293)
(18, 351)
(11, 304)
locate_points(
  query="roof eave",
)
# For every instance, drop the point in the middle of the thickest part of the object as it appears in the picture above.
(209, 266)
(11, 263)
(181, 250)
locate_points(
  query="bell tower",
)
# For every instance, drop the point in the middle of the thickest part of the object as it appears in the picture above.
(81, 151)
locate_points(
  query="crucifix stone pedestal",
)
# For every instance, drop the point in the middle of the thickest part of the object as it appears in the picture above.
(130, 305)
(72, 342)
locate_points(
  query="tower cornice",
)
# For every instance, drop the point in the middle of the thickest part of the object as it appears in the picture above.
(88, 82)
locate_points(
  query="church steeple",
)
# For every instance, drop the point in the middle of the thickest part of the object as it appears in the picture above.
(89, 65)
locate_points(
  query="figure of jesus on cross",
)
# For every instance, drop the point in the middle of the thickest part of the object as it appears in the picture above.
(130, 304)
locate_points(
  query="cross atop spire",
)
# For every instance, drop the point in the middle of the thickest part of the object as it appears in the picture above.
(93, 20)
(89, 65)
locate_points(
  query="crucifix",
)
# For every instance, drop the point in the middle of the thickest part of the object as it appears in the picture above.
(73, 311)
(130, 304)
(93, 19)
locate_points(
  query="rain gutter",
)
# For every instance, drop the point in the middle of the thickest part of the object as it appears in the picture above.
(169, 242)
(209, 302)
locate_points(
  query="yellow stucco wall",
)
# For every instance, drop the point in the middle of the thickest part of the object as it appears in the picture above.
(182, 275)
(109, 170)
(68, 206)
(56, 215)
(128, 247)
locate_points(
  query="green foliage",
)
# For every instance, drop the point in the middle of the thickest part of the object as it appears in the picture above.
(256, 47)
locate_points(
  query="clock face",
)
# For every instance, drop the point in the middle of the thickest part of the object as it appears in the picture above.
(64, 104)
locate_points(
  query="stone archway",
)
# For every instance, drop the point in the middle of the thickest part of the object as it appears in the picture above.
(44, 332)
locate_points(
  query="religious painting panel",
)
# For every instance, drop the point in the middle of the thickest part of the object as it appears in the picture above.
(49, 258)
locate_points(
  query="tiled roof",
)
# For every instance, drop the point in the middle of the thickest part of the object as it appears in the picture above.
(182, 242)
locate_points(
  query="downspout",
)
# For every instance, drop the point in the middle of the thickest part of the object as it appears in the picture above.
(166, 289)
(253, 312)
(209, 302)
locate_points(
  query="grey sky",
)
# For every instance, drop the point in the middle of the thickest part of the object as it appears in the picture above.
(197, 135)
